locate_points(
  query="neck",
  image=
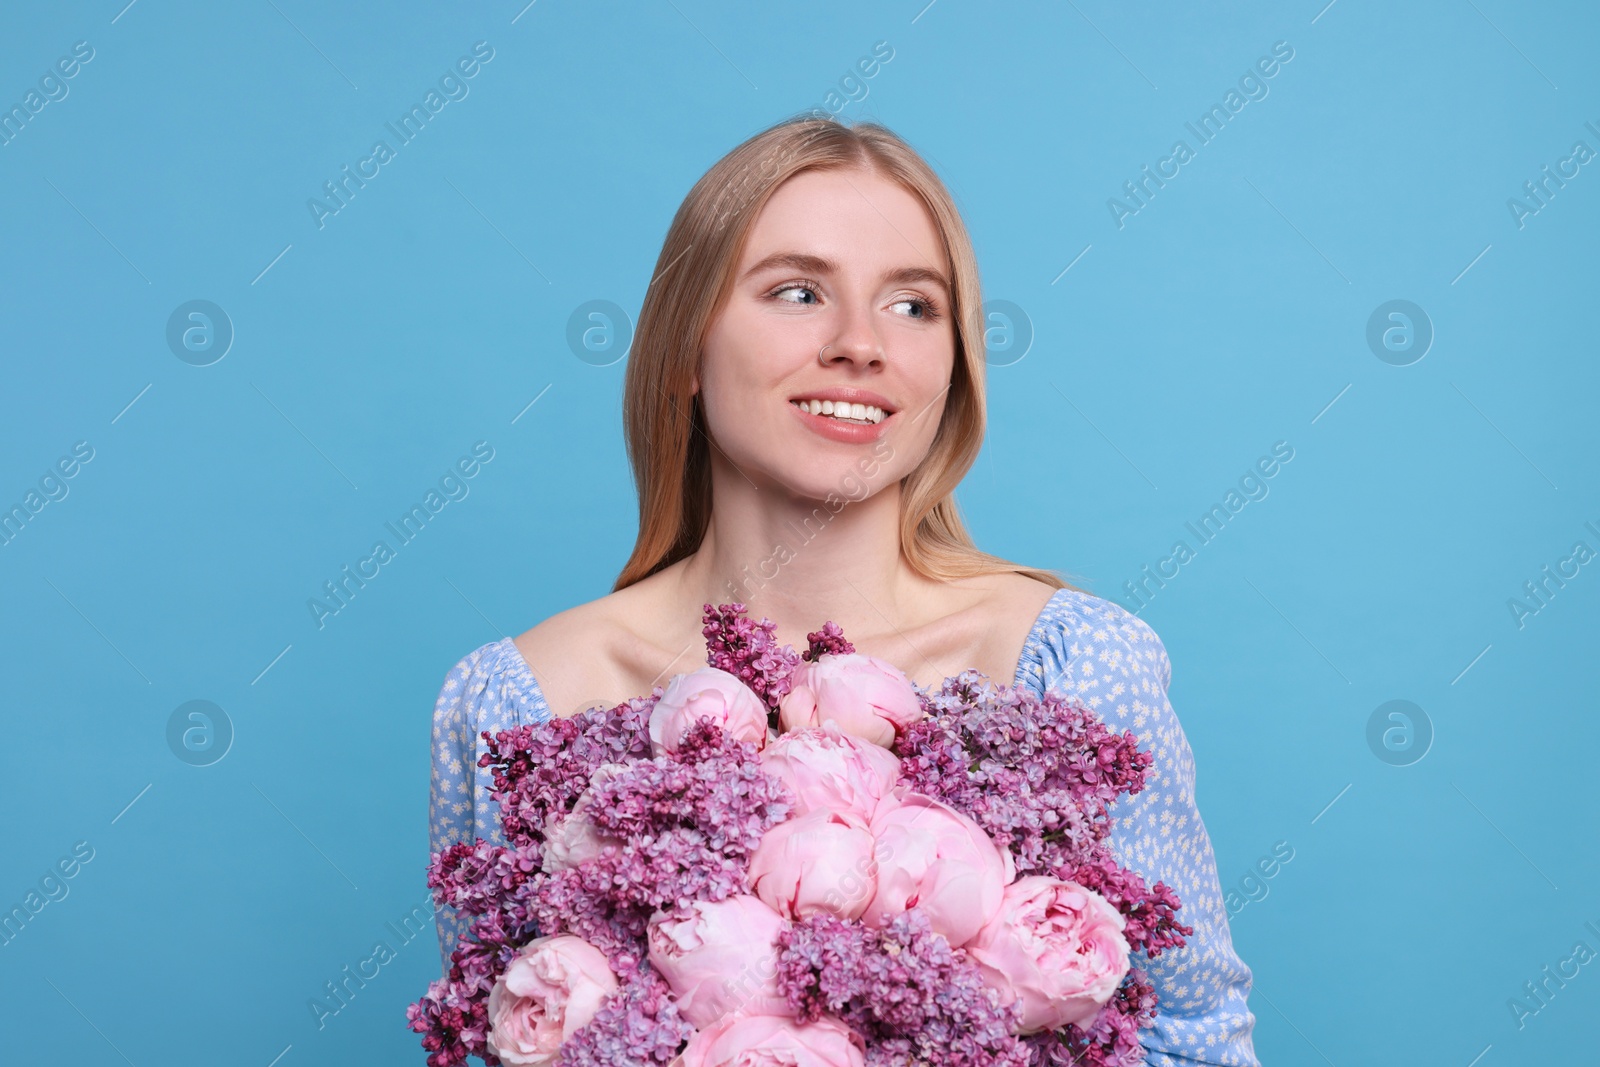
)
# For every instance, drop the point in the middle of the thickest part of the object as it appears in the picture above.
(801, 561)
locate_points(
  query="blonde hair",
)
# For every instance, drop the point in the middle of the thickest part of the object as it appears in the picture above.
(664, 428)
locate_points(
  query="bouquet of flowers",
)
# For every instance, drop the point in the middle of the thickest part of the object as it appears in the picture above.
(801, 859)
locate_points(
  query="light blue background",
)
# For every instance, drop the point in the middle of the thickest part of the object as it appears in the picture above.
(428, 313)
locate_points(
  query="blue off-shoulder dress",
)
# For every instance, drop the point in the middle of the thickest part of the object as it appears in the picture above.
(1082, 647)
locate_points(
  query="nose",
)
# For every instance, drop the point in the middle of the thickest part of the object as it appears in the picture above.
(855, 342)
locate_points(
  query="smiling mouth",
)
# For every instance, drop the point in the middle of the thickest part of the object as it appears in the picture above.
(857, 414)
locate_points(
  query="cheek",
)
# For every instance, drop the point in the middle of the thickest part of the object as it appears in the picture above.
(749, 364)
(929, 397)
(726, 417)
(931, 355)
(740, 405)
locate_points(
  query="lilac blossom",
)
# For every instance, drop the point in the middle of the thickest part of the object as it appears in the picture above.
(913, 997)
(749, 651)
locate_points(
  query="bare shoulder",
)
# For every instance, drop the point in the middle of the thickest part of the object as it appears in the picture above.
(1002, 615)
(981, 623)
(600, 652)
(1016, 594)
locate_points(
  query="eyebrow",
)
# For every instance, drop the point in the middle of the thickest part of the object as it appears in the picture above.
(811, 264)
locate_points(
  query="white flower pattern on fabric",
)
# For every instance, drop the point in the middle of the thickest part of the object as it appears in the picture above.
(1110, 660)
(1081, 646)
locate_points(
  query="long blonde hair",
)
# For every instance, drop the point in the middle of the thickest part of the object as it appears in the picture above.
(664, 428)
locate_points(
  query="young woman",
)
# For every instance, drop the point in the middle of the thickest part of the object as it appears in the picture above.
(804, 393)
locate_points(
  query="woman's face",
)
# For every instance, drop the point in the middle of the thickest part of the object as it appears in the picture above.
(849, 264)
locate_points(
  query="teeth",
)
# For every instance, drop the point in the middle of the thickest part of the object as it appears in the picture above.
(864, 413)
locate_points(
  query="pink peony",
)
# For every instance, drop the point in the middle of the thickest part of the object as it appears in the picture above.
(819, 861)
(707, 693)
(575, 838)
(933, 857)
(774, 1041)
(866, 696)
(1057, 946)
(551, 989)
(827, 768)
(718, 957)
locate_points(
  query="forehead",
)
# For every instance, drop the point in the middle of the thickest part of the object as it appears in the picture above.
(849, 216)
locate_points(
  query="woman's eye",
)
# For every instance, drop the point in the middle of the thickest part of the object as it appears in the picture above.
(925, 308)
(778, 293)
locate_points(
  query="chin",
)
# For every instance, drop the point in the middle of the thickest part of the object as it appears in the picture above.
(842, 481)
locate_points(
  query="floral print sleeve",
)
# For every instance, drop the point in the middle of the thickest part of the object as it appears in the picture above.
(492, 689)
(1098, 653)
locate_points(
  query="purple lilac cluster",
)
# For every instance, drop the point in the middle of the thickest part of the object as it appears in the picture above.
(484, 881)
(1039, 775)
(1112, 1040)
(687, 823)
(749, 651)
(914, 998)
(827, 641)
(640, 1025)
(541, 769)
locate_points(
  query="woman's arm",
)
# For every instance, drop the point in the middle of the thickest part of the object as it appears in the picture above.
(452, 791)
(1114, 663)
(490, 689)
